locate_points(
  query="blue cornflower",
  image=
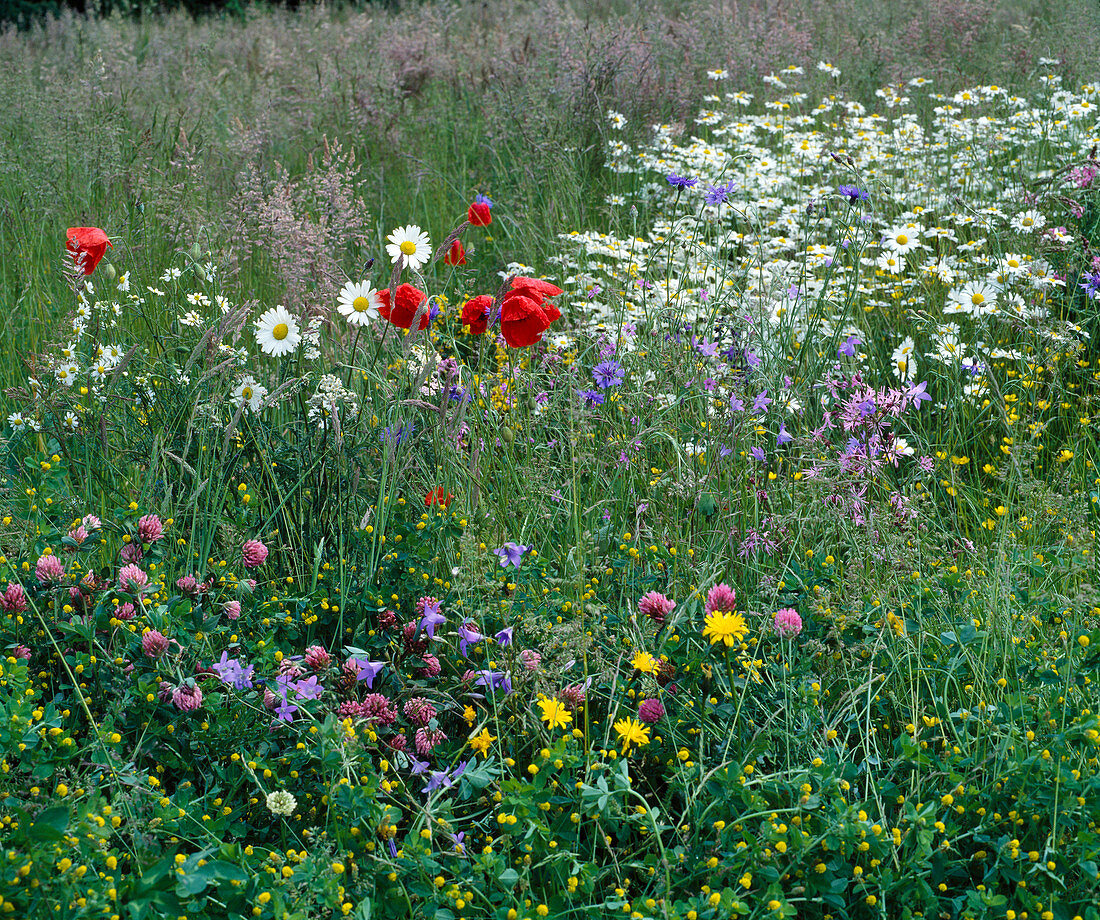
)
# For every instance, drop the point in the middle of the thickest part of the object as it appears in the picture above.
(591, 397)
(853, 193)
(681, 181)
(397, 435)
(483, 199)
(1091, 283)
(608, 374)
(718, 193)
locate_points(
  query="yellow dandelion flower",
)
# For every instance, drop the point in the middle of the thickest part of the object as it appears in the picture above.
(632, 732)
(725, 627)
(554, 714)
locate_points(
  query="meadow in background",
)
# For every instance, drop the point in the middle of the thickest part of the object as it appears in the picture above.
(514, 462)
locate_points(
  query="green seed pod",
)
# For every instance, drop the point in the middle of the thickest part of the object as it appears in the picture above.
(109, 272)
(507, 435)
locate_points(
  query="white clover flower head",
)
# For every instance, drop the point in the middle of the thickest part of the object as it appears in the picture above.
(281, 803)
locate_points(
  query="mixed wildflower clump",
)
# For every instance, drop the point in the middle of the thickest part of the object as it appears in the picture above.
(742, 567)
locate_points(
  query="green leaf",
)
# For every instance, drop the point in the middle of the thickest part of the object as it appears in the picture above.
(50, 824)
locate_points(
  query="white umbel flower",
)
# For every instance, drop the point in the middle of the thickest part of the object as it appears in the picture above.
(281, 803)
(410, 243)
(277, 332)
(358, 303)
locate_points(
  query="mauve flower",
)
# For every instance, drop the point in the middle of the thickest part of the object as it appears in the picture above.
(91, 522)
(164, 692)
(530, 659)
(655, 606)
(131, 578)
(154, 644)
(187, 697)
(317, 658)
(49, 569)
(387, 619)
(21, 651)
(410, 635)
(232, 609)
(131, 552)
(398, 742)
(150, 529)
(787, 622)
(78, 535)
(271, 700)
(125, 611)
(14, 598)
(721, 598)
(350, 708)
(651, 710)
(254, 554)
(432, 667)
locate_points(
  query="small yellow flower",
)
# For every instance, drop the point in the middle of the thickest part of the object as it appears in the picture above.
(482, 742)
(645, 662)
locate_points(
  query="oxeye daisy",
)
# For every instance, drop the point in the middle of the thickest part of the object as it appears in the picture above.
(359, 303)
(277, 332)
(410, 243)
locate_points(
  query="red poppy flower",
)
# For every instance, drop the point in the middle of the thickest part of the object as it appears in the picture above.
(439, 497)
(535, 288)
(406, 301)
(456, 255)
(479, 214)
(475, 313)
(524, 320)
(87, 246)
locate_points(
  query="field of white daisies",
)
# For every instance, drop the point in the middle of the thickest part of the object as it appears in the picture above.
(731, 555)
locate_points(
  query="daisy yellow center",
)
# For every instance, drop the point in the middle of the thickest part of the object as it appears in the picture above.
(1027, 221)
(408, 247)
(361, 304)
(247, 392)
(280, 332)
(902, 239)
(1013, 263)
(977, 299)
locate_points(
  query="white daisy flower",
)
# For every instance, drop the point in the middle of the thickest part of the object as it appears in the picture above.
(277, 332)
(1029, 220)
(71, 422)
(124, 281)
(67, 373)
(17, 421)
(410, 243)
(250, 393)
(191, 318)
(901, 240)
(977, 298)
(358, 303)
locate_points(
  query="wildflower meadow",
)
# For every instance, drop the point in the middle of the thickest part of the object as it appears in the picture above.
(660, 507)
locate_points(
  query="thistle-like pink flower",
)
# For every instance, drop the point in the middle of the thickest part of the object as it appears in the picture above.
(651, 711)
(721, 599)
(427, 740)
(131, 552)
(387, 619)
(254, 554)
(399, 742)
(188, 697)
(271, 701)
(656, 606)
(419, 710)
(125, 611)
(21, 651)
(150, 529)
(350, 708)
(78, 535)
(131, 578)
(787, 622)
(531, 659)
(49, 569)
(14, 598)
(188, 584)
(376, 708)
(232, 610)
(154, 644)
(317, 658)
(165, 691)
(432, 667)
(572, 696)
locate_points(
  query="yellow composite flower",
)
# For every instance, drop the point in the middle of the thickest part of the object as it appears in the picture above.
(632, 732)
(554, 714)
(482, 742)
(645, 662)
(725, 627)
